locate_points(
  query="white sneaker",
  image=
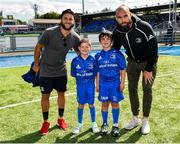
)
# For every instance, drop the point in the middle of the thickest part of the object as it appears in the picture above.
(132, 124)
(145, 126)
(77, 129)
(94, 127)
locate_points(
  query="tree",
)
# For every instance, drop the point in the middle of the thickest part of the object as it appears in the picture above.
(1, 20)
(21, 22)
(50, 15)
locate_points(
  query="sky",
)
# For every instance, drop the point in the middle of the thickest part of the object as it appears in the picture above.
(23, 9)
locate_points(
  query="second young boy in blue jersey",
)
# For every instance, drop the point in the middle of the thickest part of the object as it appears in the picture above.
(110, 80)
(83, 68)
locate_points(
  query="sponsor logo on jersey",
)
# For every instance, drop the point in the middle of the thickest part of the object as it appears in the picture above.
(108, 65)
(104, 97)
(106, 61)
(85, 74)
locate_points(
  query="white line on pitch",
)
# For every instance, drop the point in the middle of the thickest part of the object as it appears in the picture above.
(33, 101)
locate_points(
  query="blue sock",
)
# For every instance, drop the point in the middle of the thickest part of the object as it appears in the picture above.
(93, 114)
(115, 113)
(105, 116)
(80, 115)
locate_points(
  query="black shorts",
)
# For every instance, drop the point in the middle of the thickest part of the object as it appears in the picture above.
(47, 84)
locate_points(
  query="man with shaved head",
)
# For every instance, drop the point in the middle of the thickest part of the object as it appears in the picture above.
(140, 43)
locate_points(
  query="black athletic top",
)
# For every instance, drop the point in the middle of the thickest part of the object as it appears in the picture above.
(140, 42)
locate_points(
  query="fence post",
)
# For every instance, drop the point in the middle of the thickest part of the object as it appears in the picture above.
(2, 43)
(12, 42)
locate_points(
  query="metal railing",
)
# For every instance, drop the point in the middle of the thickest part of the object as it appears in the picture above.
(169, 38)
(17, 43)
(163, 37)
(2, 43)
(27, 43)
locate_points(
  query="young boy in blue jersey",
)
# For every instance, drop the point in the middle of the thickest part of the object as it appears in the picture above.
(83, 68)
(110, 81)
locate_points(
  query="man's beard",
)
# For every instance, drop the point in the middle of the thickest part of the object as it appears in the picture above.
(126, 27)
(63, 26)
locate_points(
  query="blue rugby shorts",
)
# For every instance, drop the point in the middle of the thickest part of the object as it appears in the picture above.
(86, 93)
(110, 91)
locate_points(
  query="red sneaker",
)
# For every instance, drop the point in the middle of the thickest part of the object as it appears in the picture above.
(45, 127)
(62, 124)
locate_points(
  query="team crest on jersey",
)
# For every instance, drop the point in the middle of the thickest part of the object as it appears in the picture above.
(90, 66)
(78, 67)
(113, 56)
(138, 40)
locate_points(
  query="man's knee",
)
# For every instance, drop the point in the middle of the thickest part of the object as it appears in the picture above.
(61, 94)
(45, 97)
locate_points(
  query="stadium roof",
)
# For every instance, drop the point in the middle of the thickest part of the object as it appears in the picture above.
(135, 10)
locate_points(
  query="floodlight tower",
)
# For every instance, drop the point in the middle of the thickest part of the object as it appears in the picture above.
(80, 23)
(35, 10)
(82, 6)
(1, 13)
(175, 14)
(170, 2)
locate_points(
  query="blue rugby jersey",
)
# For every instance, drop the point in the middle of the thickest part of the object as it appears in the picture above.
(83, 70)
(109, 64)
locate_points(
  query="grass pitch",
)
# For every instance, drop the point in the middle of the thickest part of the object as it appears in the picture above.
(21, 123)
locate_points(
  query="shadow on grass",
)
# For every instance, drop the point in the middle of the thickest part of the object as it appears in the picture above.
(96, 138)
(71, 138)
(134, 137)
(84, 137)
(30, 138)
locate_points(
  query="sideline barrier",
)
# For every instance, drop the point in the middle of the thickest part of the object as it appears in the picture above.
(2, 43)
(15, 43)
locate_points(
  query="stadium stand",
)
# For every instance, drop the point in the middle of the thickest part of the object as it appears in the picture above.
(109, 24)
(96, 26)
(155, 15)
